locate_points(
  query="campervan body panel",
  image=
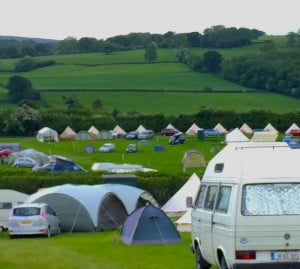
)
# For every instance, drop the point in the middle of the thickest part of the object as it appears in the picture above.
(247, 211)
(9, 199)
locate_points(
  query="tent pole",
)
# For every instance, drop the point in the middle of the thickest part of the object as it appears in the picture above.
(161, 236)
(76, 217)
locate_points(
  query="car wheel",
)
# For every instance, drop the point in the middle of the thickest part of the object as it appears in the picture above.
(48, 232)
(200, 262)
(223, 263)
(17, 165)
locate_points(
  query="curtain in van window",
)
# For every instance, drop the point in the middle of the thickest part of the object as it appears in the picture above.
(271, 199)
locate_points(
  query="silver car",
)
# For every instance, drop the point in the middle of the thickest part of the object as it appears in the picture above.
(107, 147)
(33, 219)
(24, 162)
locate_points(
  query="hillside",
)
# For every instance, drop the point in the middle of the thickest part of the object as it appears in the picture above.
(124, 81)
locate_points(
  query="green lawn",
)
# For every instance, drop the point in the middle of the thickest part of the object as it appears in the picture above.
(91, 251)
(168, 161)
(177, 103)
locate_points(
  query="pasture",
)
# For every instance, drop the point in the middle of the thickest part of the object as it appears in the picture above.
(123, 81)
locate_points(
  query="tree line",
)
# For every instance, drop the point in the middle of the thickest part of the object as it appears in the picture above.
(26, 120)
(213, 37)
(272, 70)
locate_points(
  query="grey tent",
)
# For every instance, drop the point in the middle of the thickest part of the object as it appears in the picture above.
(87, 208)
(149, 225)
(193, 158)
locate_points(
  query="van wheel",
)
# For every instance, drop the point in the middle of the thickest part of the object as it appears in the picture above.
(200, 262)
(223, 263)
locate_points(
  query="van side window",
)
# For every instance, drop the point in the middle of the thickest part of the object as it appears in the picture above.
(5, 205)
(210, 197)
(200, 198)
(223, 199)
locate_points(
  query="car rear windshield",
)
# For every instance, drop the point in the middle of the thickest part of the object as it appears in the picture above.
(26, 211)
(277, 199)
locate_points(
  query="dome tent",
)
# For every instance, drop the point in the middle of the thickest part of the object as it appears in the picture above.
(47, 134)
(149, 225)
(87, 208)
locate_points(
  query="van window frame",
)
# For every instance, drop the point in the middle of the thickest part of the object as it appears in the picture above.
(201, 195)
(209, 204)
(217, 208)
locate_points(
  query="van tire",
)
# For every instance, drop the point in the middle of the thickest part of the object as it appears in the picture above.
(200, 262)
(223, 263)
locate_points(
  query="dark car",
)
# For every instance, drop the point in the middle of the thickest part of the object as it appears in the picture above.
(176, 139)
(168, 131)
(60, 167)
(132, 135)
(132, 148)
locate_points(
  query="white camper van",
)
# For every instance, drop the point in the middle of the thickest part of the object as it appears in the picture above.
(247, 211)
(9, 199)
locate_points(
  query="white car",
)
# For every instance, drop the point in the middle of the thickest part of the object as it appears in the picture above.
(107, 147)
(24, 162)
(30, 219)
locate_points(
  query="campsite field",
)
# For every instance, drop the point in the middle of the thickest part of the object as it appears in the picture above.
(168, 161)
(92, 251)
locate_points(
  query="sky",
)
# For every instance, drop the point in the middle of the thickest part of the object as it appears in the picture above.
(59, 19)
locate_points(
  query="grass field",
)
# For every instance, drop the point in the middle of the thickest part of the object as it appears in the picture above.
(124, 81)
(168, 161)
(178, 103)
(101, 249)
(91, 251)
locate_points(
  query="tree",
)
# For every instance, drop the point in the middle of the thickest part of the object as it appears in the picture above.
(19, 88)
(97, 104)
(150, 53)
(212, 61)
(71, 102)
(25, 120)
(291, 39)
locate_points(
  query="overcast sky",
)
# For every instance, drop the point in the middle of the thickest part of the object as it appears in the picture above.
(58, 19)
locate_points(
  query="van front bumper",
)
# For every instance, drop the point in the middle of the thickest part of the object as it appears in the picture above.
(276, 265)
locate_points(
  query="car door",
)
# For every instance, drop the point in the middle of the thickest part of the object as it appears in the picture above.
(202, 216)
(52, 219)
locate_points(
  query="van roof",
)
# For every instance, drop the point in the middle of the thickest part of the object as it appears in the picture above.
(254, 160)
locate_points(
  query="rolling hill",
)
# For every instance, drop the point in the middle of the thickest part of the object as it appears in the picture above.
(125, 81)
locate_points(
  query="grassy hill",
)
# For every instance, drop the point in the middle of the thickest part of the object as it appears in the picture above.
(126, 82)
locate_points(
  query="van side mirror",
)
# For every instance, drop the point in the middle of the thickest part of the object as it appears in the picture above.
(189, 202)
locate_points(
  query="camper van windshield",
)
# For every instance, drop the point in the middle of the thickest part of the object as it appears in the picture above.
(271, 199)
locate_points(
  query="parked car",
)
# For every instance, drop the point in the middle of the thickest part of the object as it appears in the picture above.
(24, 162)
(132, 148)
(168, 131)
(132, 135)
(295, 132)
(5, 152)
(37, 218)
(212, 132)
(69, 166)
(148, 134)
(107, 147)
(177, 139)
